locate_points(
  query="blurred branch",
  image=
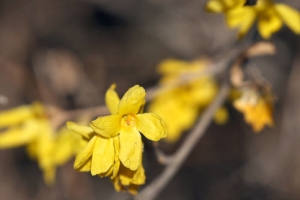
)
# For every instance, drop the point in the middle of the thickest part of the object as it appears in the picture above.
(210, 70)
(59, 117)
(3, 100)
(221, 64)
(160, 156)
(179, 157)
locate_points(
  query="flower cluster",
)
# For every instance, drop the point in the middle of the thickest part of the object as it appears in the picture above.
(179, 106)
(29, 126)
(257, 108)
(115, 147)
(270, 16)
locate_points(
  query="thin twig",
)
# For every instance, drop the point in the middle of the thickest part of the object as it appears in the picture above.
(220, 64)
(160, 182)
(211, 70)
(59, 117)
(161, 156)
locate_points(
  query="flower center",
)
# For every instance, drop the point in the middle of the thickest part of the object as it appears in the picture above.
(128, 120)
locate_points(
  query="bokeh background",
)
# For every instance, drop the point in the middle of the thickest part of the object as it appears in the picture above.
(67, 53)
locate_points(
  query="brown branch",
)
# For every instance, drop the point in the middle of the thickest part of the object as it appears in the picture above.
(58, 117)
(220, 65)
(179, 157)
(160, 156)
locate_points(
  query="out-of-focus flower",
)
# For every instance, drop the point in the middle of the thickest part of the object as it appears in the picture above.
(114, 147)
(256, 107)
(270, 16)
(30, 126)
(221, 116)
(179, 106)
(126, 122)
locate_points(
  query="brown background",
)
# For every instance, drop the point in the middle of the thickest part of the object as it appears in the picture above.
(68, 52)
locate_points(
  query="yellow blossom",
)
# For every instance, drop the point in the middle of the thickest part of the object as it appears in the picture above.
(30, 126)
(180, 106)
(114, 146)
(178, 114)
(129, 180)
(66, 145)
(98, 155)
(270, 16)
(257, 108)
(126, 122)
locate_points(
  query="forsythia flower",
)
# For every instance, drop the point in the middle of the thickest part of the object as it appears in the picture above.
(101, 157)
(257, 108)
(270, 16)
(180, 106)
(127, 122)
(98, 156)
(114, 146)
(29, 126)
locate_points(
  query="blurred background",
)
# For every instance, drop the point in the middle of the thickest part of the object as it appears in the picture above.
(68, 52)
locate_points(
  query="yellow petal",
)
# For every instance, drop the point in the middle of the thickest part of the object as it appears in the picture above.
(112, 99)
(86, 166)
(117, 185)
(38, 109)
(125, 175)
(139, 176)
(133, 189)
(132, 100)
(172, 66)
(215, 6)
(67, 144)
(116, 169)
(117, 160)
(243, 18)
(268, 24)
(19, 136)
(290, 16)
(151, 125)
(107, 173)
(223, 5)
(107, 126)
(85, 154)
(246, 25)
(103, 155)
(130, 148)
(49, 175)
(15, 116)
(85, 131)
(221, 116)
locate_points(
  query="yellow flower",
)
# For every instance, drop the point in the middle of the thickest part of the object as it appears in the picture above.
(179, 107)
(21, 125)
(129, 180)
(126, 122)
(101, 157)
(114, 146)
(270, 16)
(257, 108)
(53, 150)
(66, 145)
(178, 114)
(98, 155)
(29, 126)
